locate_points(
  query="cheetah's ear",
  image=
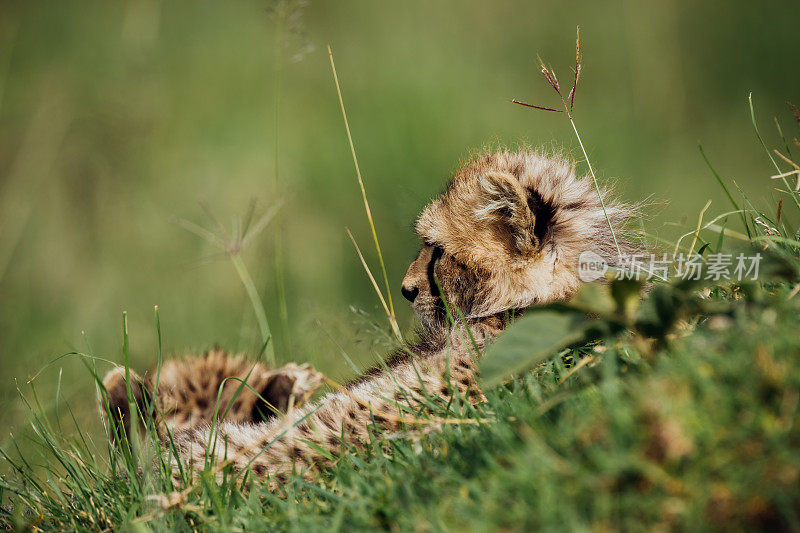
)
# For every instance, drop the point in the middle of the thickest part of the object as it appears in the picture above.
(502, 200)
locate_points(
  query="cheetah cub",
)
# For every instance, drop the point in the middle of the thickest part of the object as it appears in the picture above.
(505, 235)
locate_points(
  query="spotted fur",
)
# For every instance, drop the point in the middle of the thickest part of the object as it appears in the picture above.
(189, 392)
(506, 234)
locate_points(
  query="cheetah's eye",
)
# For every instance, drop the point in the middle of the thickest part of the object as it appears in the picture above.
(437, 254)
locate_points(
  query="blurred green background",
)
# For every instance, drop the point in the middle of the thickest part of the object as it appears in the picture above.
(117, 116)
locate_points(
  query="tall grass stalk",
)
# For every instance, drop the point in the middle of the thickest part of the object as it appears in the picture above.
(160, 353)
(280, 284)
(390, 310)
(255, 301)
(568, 103)
(594, 180)
(290, 44)
(133, 442)
(372, 279)
(232, 245)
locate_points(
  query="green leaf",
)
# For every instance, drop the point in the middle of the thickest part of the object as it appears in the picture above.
(529, 341)
(626, 293)
(593, 298)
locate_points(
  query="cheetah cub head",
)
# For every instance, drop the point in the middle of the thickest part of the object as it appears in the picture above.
(506, 234)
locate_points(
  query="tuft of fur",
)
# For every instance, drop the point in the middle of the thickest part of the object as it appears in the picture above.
(506, 234)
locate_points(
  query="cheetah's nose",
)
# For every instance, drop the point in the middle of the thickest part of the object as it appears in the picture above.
(409, 294)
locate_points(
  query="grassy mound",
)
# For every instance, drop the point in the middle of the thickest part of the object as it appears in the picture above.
(700, 430)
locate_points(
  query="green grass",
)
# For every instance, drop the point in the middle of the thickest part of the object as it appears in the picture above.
(678, 412)
(702, 433)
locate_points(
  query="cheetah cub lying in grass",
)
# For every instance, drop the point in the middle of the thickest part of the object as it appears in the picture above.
(505, 235)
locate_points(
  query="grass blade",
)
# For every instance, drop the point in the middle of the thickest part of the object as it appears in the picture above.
(724, 187)
(763, 144)
(386, 308)
(390, 309)
(258, 306)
